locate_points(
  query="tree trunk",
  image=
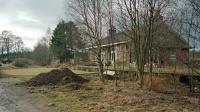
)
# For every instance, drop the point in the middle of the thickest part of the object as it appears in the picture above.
(100, 65)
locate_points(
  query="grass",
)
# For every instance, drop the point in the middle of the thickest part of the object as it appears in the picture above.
(180, 70)
(88, 99)
(64, 101)
(82, 72)
(34, 71)
(27, 71)
(97, 97)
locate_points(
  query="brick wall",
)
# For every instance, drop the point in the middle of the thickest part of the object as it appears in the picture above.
(181, 56)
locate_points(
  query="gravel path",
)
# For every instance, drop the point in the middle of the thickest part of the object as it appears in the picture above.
(17, 99)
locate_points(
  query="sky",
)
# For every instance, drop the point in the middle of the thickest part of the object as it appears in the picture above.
(30, 19)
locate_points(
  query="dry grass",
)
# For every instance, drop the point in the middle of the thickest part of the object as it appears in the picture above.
(34, 71)
(158, 83)
(95, 96)
(179, 70)
(82, 72)
(27, 71)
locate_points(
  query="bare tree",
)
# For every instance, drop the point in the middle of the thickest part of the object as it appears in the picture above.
(10, 44)
(18, 44)
(89, 14)
(48, 36)
(196, 6)
(189, 24)
(109, 4)
(8, 41)
(2, 45)
(41, 53)
(141, 18)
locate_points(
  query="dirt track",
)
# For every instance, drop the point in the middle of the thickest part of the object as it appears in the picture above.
(17, 99)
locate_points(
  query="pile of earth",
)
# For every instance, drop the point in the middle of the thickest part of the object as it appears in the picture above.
(56, 77)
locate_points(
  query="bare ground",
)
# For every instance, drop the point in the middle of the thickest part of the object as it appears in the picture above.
(17, 99)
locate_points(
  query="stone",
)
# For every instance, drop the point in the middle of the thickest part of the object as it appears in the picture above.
(51, 104)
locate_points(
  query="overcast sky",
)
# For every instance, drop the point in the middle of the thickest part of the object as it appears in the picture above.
(30, 19)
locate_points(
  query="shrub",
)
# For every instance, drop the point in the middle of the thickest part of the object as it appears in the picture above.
(22, 62)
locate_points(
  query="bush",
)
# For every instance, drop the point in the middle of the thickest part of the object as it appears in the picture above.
(22, 62)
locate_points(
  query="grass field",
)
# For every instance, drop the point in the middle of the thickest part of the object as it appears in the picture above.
(33, 71)
(27, 71)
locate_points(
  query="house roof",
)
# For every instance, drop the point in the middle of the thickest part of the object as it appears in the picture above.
(117, 39)
(167, 39)
(173, 40)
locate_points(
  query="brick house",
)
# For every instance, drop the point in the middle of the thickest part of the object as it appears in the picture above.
(120, 45)
(172, 45)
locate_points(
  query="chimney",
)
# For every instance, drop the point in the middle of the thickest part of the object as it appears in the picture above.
(112, 30)
(111, 34)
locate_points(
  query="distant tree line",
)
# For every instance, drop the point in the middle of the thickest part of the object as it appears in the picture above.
(63, 43)
(11, 46)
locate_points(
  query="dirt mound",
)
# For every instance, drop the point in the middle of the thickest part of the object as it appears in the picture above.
(56, 77)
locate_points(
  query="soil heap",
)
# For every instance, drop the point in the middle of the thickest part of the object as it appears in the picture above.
(56, 77)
